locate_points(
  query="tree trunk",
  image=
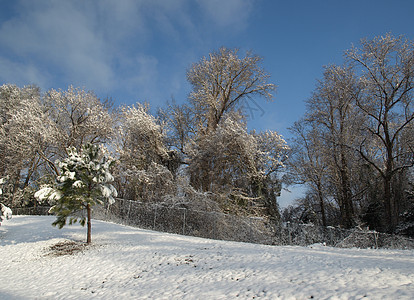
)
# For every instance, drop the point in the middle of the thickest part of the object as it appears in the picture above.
(389, 204)
(347, 207)
(322, 205)
(16, 182)
(346, 195)
(89, 232)
(33, 165)
(388, 177)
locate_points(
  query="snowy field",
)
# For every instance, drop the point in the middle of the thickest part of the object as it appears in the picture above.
(129, 263)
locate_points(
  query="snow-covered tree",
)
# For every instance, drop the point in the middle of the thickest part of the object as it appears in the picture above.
(79, 117)
(334, 121)
(142, 137)
(145, 166)
(222, 156)
(356, 140)
(178, 120)
(84, 180)
(308, 164)
(273, 151)
(221, 81)
(385, 66)
(218, 160)
(36, 129)
(238, 165)
(270, 160)
(25, 136)
(10, 99)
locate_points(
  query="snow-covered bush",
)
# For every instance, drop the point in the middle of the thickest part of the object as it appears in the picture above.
(2, 184)
(84, 181)
(6, 212)
(153, 183)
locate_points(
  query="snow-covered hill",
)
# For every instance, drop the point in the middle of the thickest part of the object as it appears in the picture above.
(130, 263)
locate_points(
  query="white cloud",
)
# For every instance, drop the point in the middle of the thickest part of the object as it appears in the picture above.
(225, 13)
(139, 73)
(79, 40)
(22, 74)
(109, 45)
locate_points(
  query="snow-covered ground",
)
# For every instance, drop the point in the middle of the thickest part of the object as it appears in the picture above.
(130, 263)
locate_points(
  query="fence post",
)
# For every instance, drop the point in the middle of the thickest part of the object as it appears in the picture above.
(107, 210)
(155, 217)
(376, 239)
(185, 210)
(129, 211)
(288, 228)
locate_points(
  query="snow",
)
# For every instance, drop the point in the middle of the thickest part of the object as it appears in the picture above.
(77, 184)
(130, 263)
(6, 212)
(106, 191)
(47, 193)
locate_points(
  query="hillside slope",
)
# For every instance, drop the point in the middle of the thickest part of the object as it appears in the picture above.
(130, 263)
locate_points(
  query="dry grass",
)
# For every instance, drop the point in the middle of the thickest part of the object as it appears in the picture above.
(67, 248)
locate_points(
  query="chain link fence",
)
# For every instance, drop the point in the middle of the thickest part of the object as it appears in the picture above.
(179, 220)
(31, 211)
(220, 226)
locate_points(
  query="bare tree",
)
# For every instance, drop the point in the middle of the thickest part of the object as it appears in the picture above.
(79, 117)
(386, 68)
(221, 81)
(332, 110)
(223, 157)
(179, 122)
(308, 164)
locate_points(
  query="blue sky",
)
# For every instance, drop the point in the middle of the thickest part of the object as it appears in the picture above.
(139, 50)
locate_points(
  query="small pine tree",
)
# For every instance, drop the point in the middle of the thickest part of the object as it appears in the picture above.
(84, 181)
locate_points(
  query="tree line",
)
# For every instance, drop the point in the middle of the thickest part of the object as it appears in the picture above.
(353, 149)
(199, 153)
